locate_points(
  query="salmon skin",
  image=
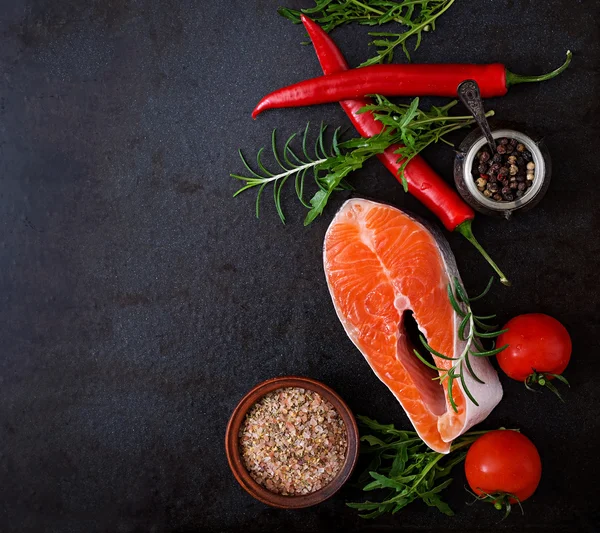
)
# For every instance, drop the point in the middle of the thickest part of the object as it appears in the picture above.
(382, 263)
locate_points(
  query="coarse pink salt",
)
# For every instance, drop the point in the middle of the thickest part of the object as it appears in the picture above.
(274, 455)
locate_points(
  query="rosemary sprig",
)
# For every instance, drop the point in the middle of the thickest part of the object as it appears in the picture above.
(473, 329)
(418, 16)
(328, 166)
(404, 469)
(329, 160)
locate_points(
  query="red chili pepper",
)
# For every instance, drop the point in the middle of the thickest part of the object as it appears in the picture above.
(399, 80)
(423, 182)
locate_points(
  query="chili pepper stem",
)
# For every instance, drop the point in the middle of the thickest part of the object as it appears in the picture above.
(466, 230)
(514, 79)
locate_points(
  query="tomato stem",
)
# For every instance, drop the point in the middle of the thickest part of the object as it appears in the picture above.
(542, 379)
(499, 499)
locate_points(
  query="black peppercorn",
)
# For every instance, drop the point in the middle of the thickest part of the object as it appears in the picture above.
(502, 175)
(494, 168)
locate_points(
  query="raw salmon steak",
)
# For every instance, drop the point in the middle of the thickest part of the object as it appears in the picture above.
(381, 264)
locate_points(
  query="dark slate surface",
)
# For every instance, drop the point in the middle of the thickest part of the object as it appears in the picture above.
(140, 301)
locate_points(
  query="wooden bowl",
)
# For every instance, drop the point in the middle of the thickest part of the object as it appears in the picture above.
(235, 459)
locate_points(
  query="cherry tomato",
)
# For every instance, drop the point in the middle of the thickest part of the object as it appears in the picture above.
(503, 464)
(537, 343)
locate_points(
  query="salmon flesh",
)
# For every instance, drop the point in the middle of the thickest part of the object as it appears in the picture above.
(381, 264)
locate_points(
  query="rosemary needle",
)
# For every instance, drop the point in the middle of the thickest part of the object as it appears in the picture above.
(472, 330)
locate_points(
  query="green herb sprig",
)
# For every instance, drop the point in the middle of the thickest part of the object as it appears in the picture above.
(329, 160)
(473, 329)
(325, 161)
(413, 128)
(404, 468)
(418, 16)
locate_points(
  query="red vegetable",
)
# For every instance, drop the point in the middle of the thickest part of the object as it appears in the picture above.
(539, 350)
(503, 467)
(399, 80)
(423, 183)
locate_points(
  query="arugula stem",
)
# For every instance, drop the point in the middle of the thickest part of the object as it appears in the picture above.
(404, 36)
(444, 130)
(367, 8)
(330, 161)
(394, 444)
(426, 471)
(468, 118)
(415, 3)
(415, 17)
(411, 472)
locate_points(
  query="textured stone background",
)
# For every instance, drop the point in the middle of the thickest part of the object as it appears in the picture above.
(139, 301)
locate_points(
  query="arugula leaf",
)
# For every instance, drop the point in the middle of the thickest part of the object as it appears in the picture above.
(417, 17)
(404, 469)
(333, 160)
